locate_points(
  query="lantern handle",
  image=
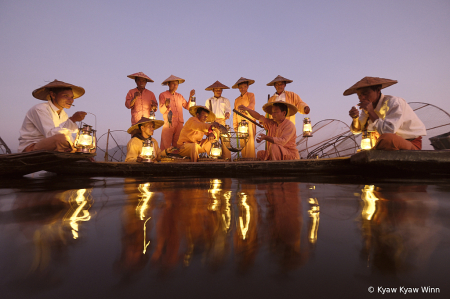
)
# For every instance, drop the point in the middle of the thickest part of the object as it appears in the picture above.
(95, 116)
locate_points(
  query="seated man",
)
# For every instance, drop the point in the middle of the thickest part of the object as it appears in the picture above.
(281, 131)
(140, 132)
(390, 117)
(47, 126)
(190, 142)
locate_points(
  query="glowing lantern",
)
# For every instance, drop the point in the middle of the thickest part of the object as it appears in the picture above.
(216, 150)
(86, 141)
(307, 128)
(192, 102)
(152, 115)
(243, 127)
(147, 151)
(366, 141)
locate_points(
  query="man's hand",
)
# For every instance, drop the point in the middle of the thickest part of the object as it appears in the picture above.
(139, 159)
(136, 94)
(215, 125)
(366, 105)
(354, 113)
(306, 110)
(154, 108)
(261, 137)
(211, 137)
(227, 115)
(78, 116)
(167, 103)
(192, 93)
(242, 107)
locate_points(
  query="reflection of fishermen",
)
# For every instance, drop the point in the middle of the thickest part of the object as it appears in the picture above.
(47, 126)
(140, 100)
(221, 108)
(171, 102)
(389, 116)
(281, 131)
(140, 132)
(190, 142)
(247, 99)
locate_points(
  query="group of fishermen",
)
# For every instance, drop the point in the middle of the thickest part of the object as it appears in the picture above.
(48, 127)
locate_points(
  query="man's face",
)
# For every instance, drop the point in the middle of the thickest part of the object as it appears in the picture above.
(279, 86)
(278, 115)
(173, 86)
(148, 128)
(62, 99)
(140, 82)
(217, 92)
(243, 87)
(368, 94)
(203, 116)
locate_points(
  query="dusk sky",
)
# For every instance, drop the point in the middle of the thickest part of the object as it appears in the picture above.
(323, 46)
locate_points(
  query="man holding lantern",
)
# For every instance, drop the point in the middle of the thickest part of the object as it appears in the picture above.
(140, 100)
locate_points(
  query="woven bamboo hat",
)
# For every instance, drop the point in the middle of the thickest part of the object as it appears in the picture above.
(135, 128)
(369, 81)
(279, 79)
(211, 116)
(242, 80)
(173, 78)
(140, 75)
(291, 108)
(217, 84)
(43, 93)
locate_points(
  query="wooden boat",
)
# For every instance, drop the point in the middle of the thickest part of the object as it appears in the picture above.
(24, 163)
(407, 164)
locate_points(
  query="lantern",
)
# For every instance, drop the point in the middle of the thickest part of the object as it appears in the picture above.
(216, 150)
(192, 102)
(307, 128)
(243, 127)
(366, 141)
(86, 141)
(147, 151)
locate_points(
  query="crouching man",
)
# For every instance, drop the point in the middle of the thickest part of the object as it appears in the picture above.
(281, 131)
(191, 142)
(47, 126)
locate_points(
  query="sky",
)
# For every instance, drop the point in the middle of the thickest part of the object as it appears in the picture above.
(323, 46)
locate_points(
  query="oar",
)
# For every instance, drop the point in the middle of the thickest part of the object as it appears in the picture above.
(237, 112)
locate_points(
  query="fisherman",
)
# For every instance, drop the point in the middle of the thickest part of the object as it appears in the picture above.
(282, 95)
(281, 131)
(398, 127)
(170, 105)
(248, 100)
(140, 132)
(221, 108)
(46, 125)
(191, 143)
(140, 100)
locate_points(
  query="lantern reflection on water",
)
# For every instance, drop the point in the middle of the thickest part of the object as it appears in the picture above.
(147, 151)
(314, 213)
(79, 210)
(369, 199)
(86, 141)
(244, 219)
(142, 207)
(307, 128)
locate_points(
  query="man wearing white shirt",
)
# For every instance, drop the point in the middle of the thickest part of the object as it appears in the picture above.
(221, 108)
(47, 126)
(398, 127)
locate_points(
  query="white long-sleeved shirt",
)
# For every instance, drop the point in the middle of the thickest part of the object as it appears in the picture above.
(395, 116)
(43, 121)
(280, 97)
(220, 106)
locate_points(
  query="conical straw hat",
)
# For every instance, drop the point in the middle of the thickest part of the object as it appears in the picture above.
(217, 84)
(42, 93)
(211, 115)
(141, 75)
(135, 128)
(369, 81)
(242, 80)
(291, 108)
(173, 78)
(279, 79)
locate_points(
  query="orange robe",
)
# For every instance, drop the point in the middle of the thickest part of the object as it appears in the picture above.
(171, 133)
(248, 99)
(294, 99)
(284, 135)
(190, 138)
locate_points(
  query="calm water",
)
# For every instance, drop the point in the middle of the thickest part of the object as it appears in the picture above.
(222, 238)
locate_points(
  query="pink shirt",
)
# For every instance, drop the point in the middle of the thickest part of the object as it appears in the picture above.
(142, 106)
(177, 102)
(283, 135)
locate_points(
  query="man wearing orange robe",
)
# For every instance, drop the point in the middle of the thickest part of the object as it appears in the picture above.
(140, 132)
(248, 100)
(171, 105)
(140, 100)
(190, 142)
(281, 131)
(290, 97)
(221, 108)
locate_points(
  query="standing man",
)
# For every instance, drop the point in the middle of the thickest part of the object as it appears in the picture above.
(248, 100)
(391, 117)
(47, 126)
(140, 100)
(170, 105)
(290, 97)
(281, 131)
(220, 106)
